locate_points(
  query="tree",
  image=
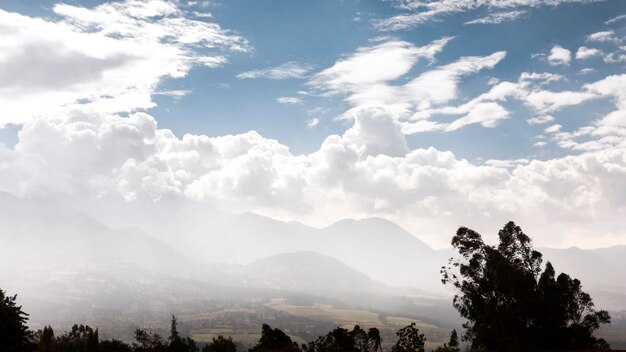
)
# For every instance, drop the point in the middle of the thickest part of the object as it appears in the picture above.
(177, 343)
(274, 340)
(81, 338)
(148, 342)
(510, 304)
(46, 339)
(343, 340)
(220, 344)
(452, 345)
(409, 340)
(14, 333)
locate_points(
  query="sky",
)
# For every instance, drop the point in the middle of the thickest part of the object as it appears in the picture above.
(432, 114)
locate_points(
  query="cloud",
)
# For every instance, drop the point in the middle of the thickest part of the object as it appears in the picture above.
(374, 65)
(498, 17)
(312, 122)
(616, 19)
(604, 36)
(109, 58)
(289, 100)
(288, 70)
(586, 53)
(367, 171)
(559, 56)
(417, 12)
(540, 120)
(587, 70)
(364, 78)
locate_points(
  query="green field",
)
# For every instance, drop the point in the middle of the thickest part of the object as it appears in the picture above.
(302, 323)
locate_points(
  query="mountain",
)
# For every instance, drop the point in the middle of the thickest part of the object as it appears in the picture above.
(40, 231)
(308, 272)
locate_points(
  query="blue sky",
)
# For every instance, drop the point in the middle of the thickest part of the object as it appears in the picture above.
(499, 89)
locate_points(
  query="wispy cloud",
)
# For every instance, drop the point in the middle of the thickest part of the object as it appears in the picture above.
(289, 100)
(288, 70)
(498, 17)
(417, 12)
(604, 36)
(616, 19)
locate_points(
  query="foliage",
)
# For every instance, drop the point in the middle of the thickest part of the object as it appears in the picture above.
(409, 340)
(274, 340)
(14, 333)
(510, 304)
(221, 344)
(340, 340)
(81, 338)
(177, 343)
(452, 345)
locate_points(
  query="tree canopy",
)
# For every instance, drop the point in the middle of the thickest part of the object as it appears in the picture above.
(344, 340)
(511, 304)
(14, 333)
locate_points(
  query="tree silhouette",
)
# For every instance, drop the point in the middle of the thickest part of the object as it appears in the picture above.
(343, 340)
(46, 339)
(274, 340)
(220, 344)
(452, 345)
(81, 338)
(409, 340)
(510, 305)
(148, 342)
(14, 333)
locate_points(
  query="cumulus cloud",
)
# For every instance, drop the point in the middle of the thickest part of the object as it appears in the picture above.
(109, 58)
(559, 56)
(586, 53)
(417, 12)
(366, 171)
(288, 70)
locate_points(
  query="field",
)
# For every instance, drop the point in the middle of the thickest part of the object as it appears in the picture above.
(302, 322)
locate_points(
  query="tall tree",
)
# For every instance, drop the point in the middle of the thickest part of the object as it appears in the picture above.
(14, 333)
(510, 305)
(409, 340)
(274, 340)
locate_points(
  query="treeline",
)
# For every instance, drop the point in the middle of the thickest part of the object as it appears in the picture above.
(16, 337)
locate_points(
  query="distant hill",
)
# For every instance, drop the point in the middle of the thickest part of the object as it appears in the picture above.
(308, 272)
(39, 231)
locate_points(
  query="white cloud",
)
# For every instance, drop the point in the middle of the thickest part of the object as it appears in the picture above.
(109, 58)
(374, 65)
(586, 53)
(417, 12)
(540, 120)
(364, 80)
(288, 70)
(289, 100)
(498, 17)
(559, 56)
(313, 122)
(616, 19)
(487, 114)
(367, 171)
(604, 36)
(587, 70)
